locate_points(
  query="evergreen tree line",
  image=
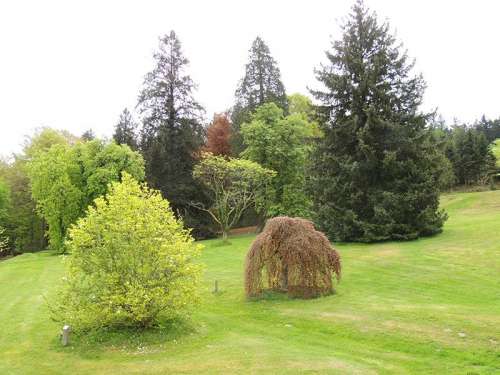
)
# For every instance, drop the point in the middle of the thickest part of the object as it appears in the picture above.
(490, 128)
(260, 127)
(364, 161)
(468, 149)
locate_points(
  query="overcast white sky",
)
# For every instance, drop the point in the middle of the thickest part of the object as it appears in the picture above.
(76, 64)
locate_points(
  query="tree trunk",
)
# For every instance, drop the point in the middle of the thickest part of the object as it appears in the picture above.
(224, 236)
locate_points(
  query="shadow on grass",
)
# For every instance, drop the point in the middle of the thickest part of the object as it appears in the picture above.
(280, 295)
(96, 343)
(221, 243)
(270, 295)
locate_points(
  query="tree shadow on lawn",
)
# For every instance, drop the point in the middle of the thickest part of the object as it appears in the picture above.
(221, 243)
(269, 295)
(280, 295)
(97, 343)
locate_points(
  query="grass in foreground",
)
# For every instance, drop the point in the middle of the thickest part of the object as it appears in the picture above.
(426, 306)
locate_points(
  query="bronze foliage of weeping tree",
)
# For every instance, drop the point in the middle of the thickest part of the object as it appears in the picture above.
(291, 256)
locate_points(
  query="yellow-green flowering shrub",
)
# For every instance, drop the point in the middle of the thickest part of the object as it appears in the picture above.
(131, 262)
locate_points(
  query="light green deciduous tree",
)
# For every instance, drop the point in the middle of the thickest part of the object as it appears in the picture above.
(66, 179)
(56, 189)
(280, 144)
(235, 185)
(131, 262)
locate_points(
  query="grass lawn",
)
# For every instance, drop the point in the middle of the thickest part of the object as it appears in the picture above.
(430, 306)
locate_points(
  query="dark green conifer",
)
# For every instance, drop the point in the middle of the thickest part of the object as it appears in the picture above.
(126, 130)
(172, 131)
(374, 176)
(88, 135)
(261, 84)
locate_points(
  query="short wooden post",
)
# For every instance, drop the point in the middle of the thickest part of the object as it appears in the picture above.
(65, 335)
(216, 287)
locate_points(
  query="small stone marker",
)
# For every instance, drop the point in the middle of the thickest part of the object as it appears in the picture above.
(65, 335)
(216, 287)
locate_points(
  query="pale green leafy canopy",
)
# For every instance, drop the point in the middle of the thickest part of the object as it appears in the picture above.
(282, 144)
(235, 185)
(65, 179)
(131, 262)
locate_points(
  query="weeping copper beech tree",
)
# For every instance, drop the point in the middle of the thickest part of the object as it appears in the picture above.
(291, 256)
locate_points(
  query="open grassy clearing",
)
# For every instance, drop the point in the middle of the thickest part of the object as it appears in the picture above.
(426, 306)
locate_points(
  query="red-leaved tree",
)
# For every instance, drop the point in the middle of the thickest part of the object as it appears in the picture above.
(218, 135)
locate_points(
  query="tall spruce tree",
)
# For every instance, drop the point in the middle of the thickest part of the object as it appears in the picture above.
(261, 84)
(126, 130)
(172, 131)
(375, 173)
